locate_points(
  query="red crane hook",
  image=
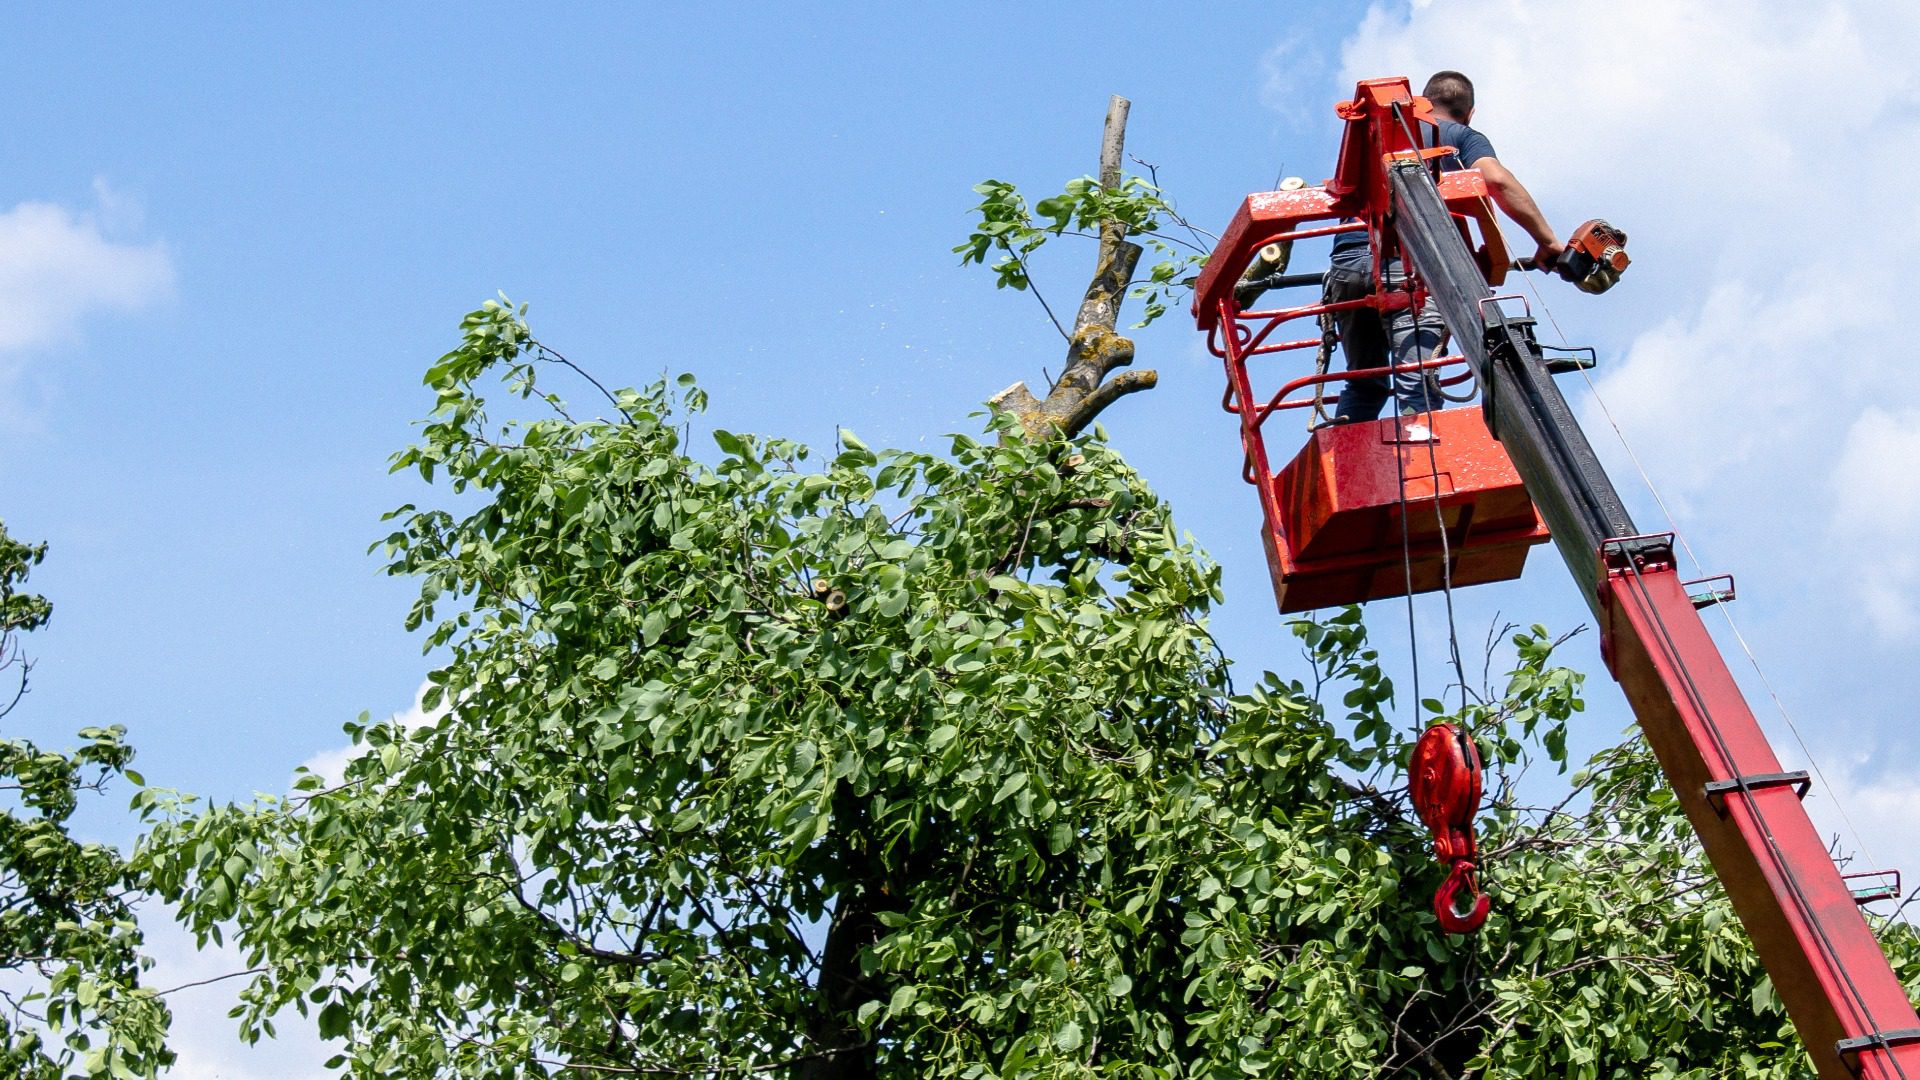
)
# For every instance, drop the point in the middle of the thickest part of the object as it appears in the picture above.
(1452, 919)
(1444, 779)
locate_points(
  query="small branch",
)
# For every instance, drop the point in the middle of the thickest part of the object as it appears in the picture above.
(549, 354)
(1204, 241)
(1127, 382)
(209, 982)
(1034, 288)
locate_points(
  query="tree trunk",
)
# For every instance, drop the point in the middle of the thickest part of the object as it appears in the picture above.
(1095, 348)
(840, 1051)
(833, 1034)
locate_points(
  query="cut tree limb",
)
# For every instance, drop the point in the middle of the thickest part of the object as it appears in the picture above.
(1095, 348)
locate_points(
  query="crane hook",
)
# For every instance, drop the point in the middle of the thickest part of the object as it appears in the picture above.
(1444, 780)
(1453, 918)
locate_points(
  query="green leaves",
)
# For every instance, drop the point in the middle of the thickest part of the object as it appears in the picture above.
(708, 714)
(1011, 787)
(1007, 226)
(69, 946)
(336, 1020)
(20, 611)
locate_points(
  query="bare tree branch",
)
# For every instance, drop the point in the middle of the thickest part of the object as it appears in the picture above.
(1095, 348)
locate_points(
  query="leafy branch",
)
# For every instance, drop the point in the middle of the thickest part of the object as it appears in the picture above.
(1007, 226)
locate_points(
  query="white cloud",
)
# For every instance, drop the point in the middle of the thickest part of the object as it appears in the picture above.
(331, 765)
(1290, 73)
(1711, 360)
(59, 265)
(205, 1038)
(1877, 515)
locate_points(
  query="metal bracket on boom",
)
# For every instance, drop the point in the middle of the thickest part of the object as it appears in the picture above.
(1706, 598)
(1645, 551)
(1851, 1049)
(1506, 339)
(1717, 790)
(1880, 889)
(1571, 358)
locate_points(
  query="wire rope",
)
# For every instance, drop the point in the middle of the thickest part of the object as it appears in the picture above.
(1462, 736)
(1406, 543)
(1439, 515)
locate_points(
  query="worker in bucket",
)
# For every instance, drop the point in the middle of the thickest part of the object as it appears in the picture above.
(1407, 336)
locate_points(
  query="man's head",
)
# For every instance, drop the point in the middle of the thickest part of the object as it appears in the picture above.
(1452, 94)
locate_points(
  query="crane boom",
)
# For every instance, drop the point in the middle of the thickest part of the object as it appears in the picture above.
(1851, 1011)
(1849, 1008)
(1524, 409)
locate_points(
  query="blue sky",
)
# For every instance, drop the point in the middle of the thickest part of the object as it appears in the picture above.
(232, 238)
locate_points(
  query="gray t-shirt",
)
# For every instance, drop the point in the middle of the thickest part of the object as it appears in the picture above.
(1469, 146)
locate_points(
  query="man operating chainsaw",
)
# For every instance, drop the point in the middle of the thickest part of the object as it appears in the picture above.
(1409, 337)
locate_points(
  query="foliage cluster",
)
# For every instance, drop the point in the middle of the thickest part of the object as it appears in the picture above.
(1008, 226)
(71, 1002)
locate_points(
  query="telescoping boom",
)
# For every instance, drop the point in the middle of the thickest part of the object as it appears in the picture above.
(1338, 530)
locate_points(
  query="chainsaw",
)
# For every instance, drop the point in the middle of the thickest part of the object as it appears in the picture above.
(1595, 257)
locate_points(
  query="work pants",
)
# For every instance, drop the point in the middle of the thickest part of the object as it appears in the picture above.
(1370, 337)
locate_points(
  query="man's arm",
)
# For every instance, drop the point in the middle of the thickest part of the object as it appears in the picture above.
(1513, 199)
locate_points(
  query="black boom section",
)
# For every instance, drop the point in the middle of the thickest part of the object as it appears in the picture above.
(1523, 407)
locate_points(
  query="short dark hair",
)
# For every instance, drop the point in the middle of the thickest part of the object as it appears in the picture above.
(1451, 93)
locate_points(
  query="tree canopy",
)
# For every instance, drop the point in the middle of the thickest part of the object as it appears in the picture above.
(70, 962)
(871, 763)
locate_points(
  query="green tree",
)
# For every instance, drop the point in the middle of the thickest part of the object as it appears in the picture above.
(71, 1002)
(888, 764)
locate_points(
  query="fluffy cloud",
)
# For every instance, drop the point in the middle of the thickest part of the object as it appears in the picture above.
(1291, 74)
(1878, 513)
(331, 765)
(59, 265)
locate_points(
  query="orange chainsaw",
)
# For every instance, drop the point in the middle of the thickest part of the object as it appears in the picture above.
(1595, 257)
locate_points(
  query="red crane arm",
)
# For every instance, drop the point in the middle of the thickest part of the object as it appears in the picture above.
(1849, 1008)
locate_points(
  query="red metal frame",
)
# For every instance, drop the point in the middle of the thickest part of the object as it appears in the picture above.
(1850, 1010)
(1238, 337)
(1826, 966)
(1370, 511)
